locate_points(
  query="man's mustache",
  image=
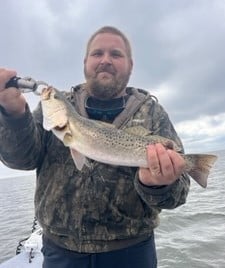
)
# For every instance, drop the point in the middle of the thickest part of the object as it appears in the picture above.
(106, 68)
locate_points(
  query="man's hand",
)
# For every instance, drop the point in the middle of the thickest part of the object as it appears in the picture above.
(11, 98)
(164, 166)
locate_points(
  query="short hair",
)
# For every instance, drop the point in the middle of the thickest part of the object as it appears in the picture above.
(112, 30)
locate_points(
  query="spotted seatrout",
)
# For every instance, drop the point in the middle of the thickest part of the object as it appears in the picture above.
(105, 143)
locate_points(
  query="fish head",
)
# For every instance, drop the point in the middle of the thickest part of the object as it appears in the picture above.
(55, 112)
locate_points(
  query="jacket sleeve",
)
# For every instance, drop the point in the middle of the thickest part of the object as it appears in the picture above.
(21, 140)
(168, 196)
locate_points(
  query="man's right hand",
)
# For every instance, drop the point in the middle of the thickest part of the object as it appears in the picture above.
(11, 98)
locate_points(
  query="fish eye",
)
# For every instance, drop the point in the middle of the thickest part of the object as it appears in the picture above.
(60, 128)
(56, 97)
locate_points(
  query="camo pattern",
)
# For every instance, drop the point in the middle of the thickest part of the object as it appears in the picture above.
(97, 209)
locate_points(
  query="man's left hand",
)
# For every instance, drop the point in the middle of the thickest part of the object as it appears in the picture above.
(164, 166)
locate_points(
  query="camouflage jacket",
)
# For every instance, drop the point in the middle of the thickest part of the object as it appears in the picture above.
(97, 209)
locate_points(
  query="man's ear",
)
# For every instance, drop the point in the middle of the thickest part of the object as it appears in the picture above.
(131, 65)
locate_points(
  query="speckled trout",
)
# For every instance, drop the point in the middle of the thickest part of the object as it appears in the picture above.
(103, 142)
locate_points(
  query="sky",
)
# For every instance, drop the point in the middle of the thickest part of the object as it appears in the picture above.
(178, 53)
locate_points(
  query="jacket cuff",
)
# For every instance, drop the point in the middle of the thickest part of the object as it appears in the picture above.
(151, 190)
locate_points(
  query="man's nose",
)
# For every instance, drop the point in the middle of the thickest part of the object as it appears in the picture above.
(106, 58)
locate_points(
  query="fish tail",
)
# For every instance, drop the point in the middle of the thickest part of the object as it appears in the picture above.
(198, 166)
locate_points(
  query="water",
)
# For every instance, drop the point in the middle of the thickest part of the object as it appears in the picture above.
(191, 236)
(16, 213)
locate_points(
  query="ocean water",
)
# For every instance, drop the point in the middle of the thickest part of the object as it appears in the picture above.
(191, 236)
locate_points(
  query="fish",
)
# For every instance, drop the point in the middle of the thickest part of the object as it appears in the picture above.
(103, 142)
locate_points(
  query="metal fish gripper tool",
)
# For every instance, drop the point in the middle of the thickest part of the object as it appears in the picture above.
(26, 84)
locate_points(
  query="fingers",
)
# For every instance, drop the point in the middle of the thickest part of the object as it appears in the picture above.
(153, 161)
(177, 161)
(11, 99)
(164, 166)
(5, 76)
(160, 164)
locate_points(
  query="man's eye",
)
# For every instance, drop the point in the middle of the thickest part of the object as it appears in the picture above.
(97, 54)
(116, 55)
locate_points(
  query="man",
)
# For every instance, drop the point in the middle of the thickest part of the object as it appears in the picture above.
(101, 216)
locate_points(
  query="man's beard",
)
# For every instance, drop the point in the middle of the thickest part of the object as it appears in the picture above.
(106, 89)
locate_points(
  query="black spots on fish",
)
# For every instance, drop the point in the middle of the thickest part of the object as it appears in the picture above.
(56, 97)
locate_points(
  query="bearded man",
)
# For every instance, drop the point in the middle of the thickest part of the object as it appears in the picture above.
(104, 215)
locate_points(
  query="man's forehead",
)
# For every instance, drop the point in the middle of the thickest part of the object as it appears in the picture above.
(107, 40)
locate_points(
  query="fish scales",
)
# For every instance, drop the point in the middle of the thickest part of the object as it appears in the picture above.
(116, 145)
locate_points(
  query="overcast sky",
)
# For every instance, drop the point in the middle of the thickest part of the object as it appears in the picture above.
(178, 50)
